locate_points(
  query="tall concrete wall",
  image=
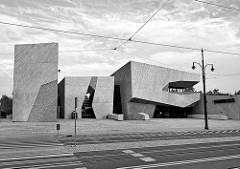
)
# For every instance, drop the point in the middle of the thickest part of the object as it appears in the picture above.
(77, 87)
(122, 77)
(230, 110)
(35, 82)
(74, 87)
(103, 97)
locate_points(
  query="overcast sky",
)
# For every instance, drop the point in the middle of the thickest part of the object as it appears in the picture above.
(180, 22)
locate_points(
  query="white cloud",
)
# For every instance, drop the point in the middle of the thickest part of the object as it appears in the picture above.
(182, 23)
(6, 67)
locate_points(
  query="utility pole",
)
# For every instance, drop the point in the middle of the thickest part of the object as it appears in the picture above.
(203, 66)
(75, 116)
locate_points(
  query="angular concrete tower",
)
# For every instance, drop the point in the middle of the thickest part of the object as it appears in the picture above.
(35, 82)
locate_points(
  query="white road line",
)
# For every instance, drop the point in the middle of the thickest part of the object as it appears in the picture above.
(73, 158)
(137, 155)
(29, 146)
(54, 166)
(36, 157)
(128, 151)
(192, 148)
(132, 153)
(147, 159)
(182, 162)
(47, 165)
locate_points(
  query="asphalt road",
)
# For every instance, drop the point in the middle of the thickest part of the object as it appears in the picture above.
(221, 155)
(39, 153)
(36, 153)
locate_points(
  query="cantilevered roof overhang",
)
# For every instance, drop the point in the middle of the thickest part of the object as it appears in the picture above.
(182, 84)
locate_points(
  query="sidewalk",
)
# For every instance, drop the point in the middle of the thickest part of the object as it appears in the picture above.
(107, 126)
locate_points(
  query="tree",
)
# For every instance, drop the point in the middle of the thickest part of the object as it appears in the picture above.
(6, 104)
(216, 91)
(210, 92)
(237, 92)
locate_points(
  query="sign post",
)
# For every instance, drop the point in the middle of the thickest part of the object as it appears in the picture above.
(75, 116)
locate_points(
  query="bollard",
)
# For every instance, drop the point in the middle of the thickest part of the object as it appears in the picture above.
(58, 128)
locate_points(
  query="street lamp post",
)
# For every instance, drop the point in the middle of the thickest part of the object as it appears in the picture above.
(203, 66)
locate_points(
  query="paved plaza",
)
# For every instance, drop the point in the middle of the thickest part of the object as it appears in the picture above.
(97, 127)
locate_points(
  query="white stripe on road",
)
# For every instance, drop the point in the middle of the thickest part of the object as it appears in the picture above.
(182, 162)
(29, 146)
(147, 159)
(49, 165)
(191, 148)
(137, 155)
(143, 158)
(24, 162)
(36, 157)
(128, 151)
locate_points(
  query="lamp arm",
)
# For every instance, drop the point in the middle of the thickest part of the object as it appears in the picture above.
(208, 65)
(198, 64)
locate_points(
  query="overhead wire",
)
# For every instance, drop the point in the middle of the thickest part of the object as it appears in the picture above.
(213, 4)
(139, 56)
(129, 39)
(116, 38)
(61, 31)
(76, 51)
(186, 48)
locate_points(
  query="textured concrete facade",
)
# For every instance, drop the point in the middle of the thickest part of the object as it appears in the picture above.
(228, 110)
(72, 87)
(35, 82)
(103, 97)
(144, 86)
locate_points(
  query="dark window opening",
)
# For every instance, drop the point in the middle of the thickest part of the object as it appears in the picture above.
(87, 110)
(171, 112)
(117, 106)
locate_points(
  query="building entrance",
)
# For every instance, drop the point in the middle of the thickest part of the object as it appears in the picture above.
(171, 112)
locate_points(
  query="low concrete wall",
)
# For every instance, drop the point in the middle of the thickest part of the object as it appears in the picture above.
(217, 110)
(118, 117)
(210, 116)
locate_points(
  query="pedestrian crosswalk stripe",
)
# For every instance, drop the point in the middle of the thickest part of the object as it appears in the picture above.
(147, 159)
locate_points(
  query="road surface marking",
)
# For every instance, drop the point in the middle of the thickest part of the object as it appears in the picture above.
(36, 157)
(143, 158)
(193, 148)
(128, 151)
(51, 165)
(30, 146)
(182, 162)
(147, 159)
(137, 155)
(66, 159)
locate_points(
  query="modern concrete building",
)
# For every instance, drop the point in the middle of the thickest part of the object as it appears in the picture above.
(35, 82)
(135, 90)
(154, 90)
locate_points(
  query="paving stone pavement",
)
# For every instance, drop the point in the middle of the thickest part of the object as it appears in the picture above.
(107, 126)
(141, 144)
